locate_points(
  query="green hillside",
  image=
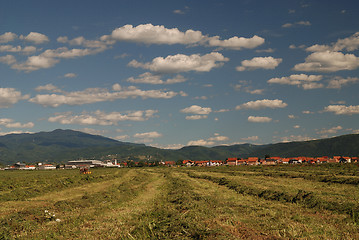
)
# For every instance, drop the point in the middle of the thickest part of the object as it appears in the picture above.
(64, 145)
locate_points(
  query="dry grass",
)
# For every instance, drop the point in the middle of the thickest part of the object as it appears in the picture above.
(174, 203)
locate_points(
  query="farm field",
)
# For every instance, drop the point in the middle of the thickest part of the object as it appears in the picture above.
(240, 202)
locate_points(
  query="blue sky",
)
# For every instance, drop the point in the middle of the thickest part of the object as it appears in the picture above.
(177, 73)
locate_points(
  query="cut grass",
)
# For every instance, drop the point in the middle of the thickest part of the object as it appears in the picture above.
(179, 203)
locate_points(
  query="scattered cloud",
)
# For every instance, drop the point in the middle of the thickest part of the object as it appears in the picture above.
(196, 117)
(102, 118)
(300, 23)
(10, 96)
(222, 110)
(35, 63)
(307, 112)
(259, 119)
(255, 91)
(339, 82)
(8, 59)
(349, 44)
(169, 146)
(182, 63)
(236, 43)
(198, 110)
(50, 57)
(13, 132)
(93, 95)
(292, 46)
(10, 123)
(259, 63)
(70, 75)
(265, 103)
(148, 135)
(252, 138)
(150, 78)
(246, 87)
(342, 109)
(200, 142)
(208, 142)
(48, 87)
(294, 138)
(17, 49)
(122, 137)
(268, 50)
(93, 131)
(328, 62)
(332, 130)
(7, 37)
(178, 11)
(123, 55)
(35, 37)
(150, 34)
(300, 80)
(201, 97)
(218, 138)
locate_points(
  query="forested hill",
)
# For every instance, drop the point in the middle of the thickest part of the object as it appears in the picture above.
(58, 145)
(64, 145)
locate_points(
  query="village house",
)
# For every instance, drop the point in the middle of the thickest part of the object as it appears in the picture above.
(232, 161)
(46, 167)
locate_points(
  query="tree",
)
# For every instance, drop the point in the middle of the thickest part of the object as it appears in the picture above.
(179, 162)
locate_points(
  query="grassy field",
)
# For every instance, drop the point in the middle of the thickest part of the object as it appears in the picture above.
(242, 202)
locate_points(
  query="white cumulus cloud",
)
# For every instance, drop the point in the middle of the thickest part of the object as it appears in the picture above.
(330, 131)
(148, 135)
(10, 96)
(342, 109)
(159, 34)
(236, 43)
(198, 110)
(7, 37)
(257, 119)
(208, 142)
(183, 63)
(328, 61)
(10, 123)
(150, 34)
(35, 37)
(265, 103)
(296, 79)
(259, 63)
(349, 44)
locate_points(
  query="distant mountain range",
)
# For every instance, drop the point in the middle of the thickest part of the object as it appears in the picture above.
(63, 145)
